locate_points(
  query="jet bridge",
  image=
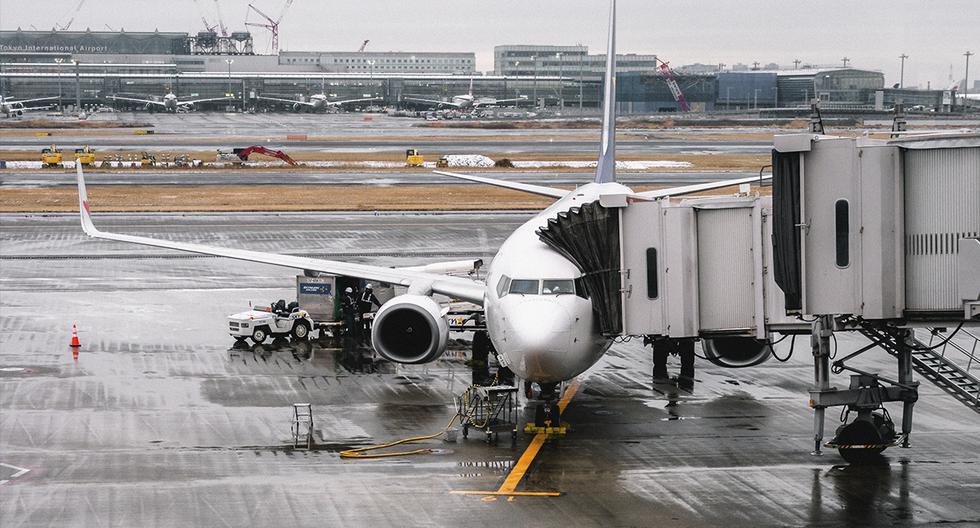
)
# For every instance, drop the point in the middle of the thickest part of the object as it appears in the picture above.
(874, 236)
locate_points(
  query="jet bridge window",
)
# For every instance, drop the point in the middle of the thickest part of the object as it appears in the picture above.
(524, 286)
(558, 287)
(842, 232)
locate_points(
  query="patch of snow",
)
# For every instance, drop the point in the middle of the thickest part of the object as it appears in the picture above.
(625, 165)
(469, 160)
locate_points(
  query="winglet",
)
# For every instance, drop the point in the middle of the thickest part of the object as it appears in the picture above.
(83, 208)
(606, 168)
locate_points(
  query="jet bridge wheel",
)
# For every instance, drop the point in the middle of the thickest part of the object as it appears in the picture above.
(862, 441)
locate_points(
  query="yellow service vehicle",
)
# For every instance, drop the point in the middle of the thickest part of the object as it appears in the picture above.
(413, 158)
(147, 159)
(85, 156)
(51, 157)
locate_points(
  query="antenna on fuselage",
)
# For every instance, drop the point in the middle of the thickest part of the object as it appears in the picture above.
(606, 168)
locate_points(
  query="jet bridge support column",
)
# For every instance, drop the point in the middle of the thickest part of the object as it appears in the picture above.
(820, 344)
(905, 379)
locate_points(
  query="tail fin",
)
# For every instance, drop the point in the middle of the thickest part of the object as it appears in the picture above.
(606, 168)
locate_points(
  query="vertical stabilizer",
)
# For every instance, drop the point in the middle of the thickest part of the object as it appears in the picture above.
(606, 169)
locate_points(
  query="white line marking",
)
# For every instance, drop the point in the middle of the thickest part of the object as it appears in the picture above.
(19, 471)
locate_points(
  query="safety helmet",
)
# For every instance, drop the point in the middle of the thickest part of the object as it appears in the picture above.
(348, 290)
(368, 287)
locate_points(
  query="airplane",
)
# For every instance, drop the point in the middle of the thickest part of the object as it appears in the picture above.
(169, 103)
(466, 101)
(15, 107)
(539, 317)
(318, 102)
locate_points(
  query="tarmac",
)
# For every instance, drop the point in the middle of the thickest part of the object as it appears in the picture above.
(358, 133)
(258, 176)
(160, 422)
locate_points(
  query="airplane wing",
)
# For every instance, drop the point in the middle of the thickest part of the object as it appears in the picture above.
(347, 101)
(517, 186)
(432, 101)
(698, 187)
(30, 108)
(514, 100)
(457, 287)
(194, 101)
(134, 100)
(22, 101)
(294, 101)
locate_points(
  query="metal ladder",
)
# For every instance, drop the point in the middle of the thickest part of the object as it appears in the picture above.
(933, 363)
(302, 426)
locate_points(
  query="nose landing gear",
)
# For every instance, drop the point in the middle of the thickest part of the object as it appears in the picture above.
(547, 413)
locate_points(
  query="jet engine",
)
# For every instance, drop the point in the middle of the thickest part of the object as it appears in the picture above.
(410, 329)
(736, 352)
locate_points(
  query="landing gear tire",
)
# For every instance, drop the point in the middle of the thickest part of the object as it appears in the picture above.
(259, 336)
(528, 390)
(555, 414)
(539, 416)
(866, 440)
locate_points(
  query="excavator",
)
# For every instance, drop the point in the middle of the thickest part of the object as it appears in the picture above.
(244, 153)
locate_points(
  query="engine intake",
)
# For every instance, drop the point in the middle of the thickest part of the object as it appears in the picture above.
(410, 329)
(736, 352)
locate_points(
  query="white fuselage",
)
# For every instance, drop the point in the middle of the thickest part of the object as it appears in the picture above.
(543, 337)
(170, 102)
(319, 102)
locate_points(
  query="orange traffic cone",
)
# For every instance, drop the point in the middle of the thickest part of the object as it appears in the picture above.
(74, 337)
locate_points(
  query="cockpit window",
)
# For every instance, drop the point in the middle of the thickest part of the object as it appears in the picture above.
(524, 286)
(502, 285)
(558, 287)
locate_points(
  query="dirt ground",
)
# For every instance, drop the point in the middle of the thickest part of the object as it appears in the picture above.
(128, 198)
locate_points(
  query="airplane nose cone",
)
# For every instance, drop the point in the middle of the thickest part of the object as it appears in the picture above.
(540, 339)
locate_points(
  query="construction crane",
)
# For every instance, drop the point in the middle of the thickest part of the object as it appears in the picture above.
(363, 45)
(272, 25)
(675, 90)
(221, 21)
(73, 15)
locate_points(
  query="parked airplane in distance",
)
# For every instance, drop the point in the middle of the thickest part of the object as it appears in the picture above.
(169, 103)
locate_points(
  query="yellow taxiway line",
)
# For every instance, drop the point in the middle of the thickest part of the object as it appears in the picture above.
(517, 473)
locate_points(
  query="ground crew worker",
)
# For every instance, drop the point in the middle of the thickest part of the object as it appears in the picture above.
(348, 305)
(364, 303)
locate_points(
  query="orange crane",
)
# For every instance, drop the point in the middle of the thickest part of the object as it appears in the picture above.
(675, 90)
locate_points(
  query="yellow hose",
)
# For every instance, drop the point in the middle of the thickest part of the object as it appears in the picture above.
(359, 452)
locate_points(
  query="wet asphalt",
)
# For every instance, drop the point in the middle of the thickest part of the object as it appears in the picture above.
(161, 422)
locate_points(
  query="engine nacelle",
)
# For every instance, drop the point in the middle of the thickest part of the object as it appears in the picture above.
(410, 329)
(736, 352)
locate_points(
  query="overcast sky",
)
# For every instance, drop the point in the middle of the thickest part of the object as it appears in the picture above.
(872, 33)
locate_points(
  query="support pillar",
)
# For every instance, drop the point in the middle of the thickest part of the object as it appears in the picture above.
(905, 378)
(820, 344)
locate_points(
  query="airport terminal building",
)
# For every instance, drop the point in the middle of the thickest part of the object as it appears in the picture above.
(95, 64)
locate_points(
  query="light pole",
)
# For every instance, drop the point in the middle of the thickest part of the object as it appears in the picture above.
(371, 65)
(581, 83)
(901, 76)
(61, 105)
(966, 76)
(517, 73)
(78, 89)
(755, 99)
(728, 98)
(561, 85)
(845, 60)
(534, 88)
(229, 62)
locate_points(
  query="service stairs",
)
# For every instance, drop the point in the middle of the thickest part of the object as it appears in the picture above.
(933, 360)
